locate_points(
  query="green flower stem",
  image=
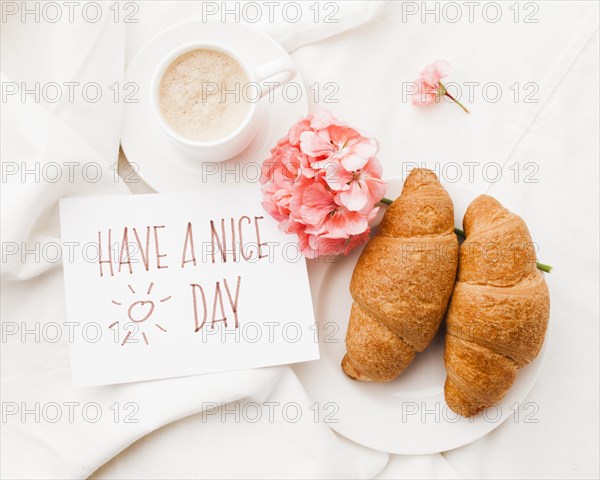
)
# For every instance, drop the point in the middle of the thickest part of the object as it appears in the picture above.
(541, 266)
(443, 91)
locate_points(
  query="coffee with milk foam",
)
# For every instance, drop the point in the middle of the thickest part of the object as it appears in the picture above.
(200, 95)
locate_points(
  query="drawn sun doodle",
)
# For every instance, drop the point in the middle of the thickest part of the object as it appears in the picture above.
(140, 312)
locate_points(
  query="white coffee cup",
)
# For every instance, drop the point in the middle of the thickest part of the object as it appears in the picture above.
(281, 70)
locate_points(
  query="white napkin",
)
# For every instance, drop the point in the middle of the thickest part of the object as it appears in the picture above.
(307, 22)
(248, 439)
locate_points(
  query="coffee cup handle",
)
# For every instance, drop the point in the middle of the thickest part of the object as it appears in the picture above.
(283, 69)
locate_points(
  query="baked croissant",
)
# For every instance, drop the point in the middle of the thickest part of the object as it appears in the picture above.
(499, 310)
(402, 281)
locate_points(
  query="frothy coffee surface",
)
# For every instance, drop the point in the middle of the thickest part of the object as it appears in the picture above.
(197, 95)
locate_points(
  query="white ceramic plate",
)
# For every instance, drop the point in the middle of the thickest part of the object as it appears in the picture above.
(152, 153)
(408, 415)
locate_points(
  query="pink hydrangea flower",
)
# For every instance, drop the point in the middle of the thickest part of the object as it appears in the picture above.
(364, 184)
(321, 183)
(341, 143)
(430, 87)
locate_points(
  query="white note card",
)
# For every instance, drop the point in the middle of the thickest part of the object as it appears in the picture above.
(174, 284)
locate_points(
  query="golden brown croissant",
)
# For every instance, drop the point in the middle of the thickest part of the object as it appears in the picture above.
(402, 281)
(499, 310)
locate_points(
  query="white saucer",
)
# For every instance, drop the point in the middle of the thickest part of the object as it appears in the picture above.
(408, 415)
(153, 154)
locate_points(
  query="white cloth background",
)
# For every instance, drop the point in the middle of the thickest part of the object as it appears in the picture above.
(368, 54)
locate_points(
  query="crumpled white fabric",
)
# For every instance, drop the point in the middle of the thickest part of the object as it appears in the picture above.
(368, 54)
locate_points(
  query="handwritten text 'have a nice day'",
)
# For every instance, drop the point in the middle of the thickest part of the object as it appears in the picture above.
(229, 240)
